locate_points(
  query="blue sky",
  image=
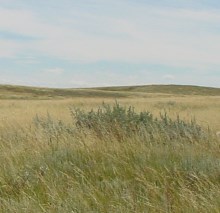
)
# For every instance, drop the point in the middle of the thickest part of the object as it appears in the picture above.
(90, 43)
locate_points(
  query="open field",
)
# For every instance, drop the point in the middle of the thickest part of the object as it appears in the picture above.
(117, 163)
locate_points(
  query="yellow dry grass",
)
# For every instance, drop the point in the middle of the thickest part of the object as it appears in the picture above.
(206, 109)
(52, 171)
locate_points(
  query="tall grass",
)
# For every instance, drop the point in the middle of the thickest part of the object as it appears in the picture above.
(112, 159)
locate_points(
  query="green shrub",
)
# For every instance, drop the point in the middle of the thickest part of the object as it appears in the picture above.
(122, 122)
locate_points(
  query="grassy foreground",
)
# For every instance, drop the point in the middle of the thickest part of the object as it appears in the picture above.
(59, 156)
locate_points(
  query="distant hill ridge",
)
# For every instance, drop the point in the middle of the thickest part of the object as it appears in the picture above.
(168, 89)
(24, 92)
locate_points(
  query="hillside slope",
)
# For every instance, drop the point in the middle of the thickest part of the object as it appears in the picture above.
(167, 89)
(23, 92)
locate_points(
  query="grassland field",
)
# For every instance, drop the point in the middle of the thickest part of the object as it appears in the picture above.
(58, 167)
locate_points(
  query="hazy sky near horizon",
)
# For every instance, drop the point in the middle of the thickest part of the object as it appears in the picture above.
(88, 43)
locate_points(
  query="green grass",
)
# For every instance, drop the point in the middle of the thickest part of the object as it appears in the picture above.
(112, 159)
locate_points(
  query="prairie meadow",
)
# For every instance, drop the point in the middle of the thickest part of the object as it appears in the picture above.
(142, 152)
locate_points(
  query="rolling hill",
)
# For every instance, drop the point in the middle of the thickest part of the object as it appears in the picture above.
(24, 92)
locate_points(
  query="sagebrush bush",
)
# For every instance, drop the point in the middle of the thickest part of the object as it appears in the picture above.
(122, 122)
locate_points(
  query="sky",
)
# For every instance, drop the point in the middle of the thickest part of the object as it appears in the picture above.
(89, 43)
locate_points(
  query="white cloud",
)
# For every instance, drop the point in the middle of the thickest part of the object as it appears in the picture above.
(162, 36)
(193, 15)
(27, 60)
(9, 49)
(55, 70)
(169, 77)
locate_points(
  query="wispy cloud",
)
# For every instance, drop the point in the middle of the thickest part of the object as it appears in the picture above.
(54, 70)
(169, 77)
(143, 38)
(140, 32)
(27, 60)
